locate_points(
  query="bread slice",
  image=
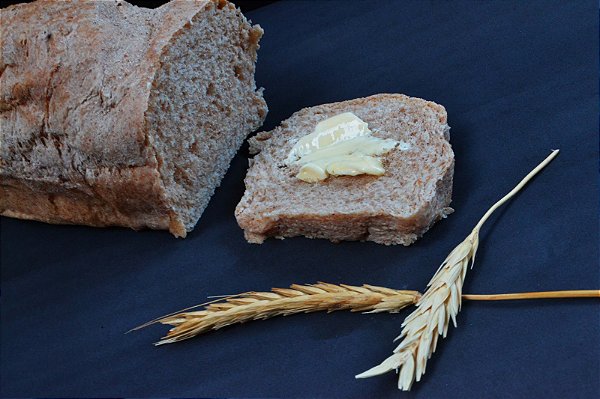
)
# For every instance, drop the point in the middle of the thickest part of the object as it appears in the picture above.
(395, 208)
(117, 115)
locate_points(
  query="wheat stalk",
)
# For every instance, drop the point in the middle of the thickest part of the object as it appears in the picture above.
(534, 295)
(284, 301)
(440, 303)
(368, 298)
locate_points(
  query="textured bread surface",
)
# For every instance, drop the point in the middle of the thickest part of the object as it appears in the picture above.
(112, 114)
(395, 208)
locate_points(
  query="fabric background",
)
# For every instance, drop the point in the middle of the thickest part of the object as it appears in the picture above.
(517, 78)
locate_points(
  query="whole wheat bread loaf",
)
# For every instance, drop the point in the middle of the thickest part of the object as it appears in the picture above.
(117, 115)
(395, 208)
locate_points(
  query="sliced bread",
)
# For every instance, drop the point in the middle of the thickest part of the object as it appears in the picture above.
(395, 208)
(112, 114)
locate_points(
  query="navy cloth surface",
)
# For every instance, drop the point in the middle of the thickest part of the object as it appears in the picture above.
(517, 79)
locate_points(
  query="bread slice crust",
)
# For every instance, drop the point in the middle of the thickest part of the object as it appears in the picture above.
(396, 208)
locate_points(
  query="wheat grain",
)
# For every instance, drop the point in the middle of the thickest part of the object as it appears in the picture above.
(284, 301)
(440, 303)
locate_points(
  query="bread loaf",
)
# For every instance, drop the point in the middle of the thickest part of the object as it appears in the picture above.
(395, 208)
(117, 115)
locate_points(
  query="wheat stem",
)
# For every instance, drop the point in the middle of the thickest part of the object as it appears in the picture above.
(534, 295)
(368, 298)
(517, 188)
(440, 303)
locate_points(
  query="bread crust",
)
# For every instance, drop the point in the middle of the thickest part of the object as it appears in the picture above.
(75, 80)
(365, 223)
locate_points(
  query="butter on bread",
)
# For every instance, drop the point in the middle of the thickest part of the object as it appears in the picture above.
(395, 208)
(342, 145)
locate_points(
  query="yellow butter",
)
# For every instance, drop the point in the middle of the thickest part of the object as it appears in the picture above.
(353, 165)
(329, 132)
(312, 173)
(340, 146)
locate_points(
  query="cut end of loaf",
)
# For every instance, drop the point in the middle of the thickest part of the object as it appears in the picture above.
(396, 208)
(206, 83)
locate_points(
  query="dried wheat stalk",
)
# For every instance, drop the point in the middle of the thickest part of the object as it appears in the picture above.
(284, 301)
(440, 303)
(533, 295)
(368, 298)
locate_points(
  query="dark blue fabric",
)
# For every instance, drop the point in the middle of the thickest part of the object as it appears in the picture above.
(517, 78)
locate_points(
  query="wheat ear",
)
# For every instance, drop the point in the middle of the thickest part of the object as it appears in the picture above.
(285, 301)
(440, 303)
